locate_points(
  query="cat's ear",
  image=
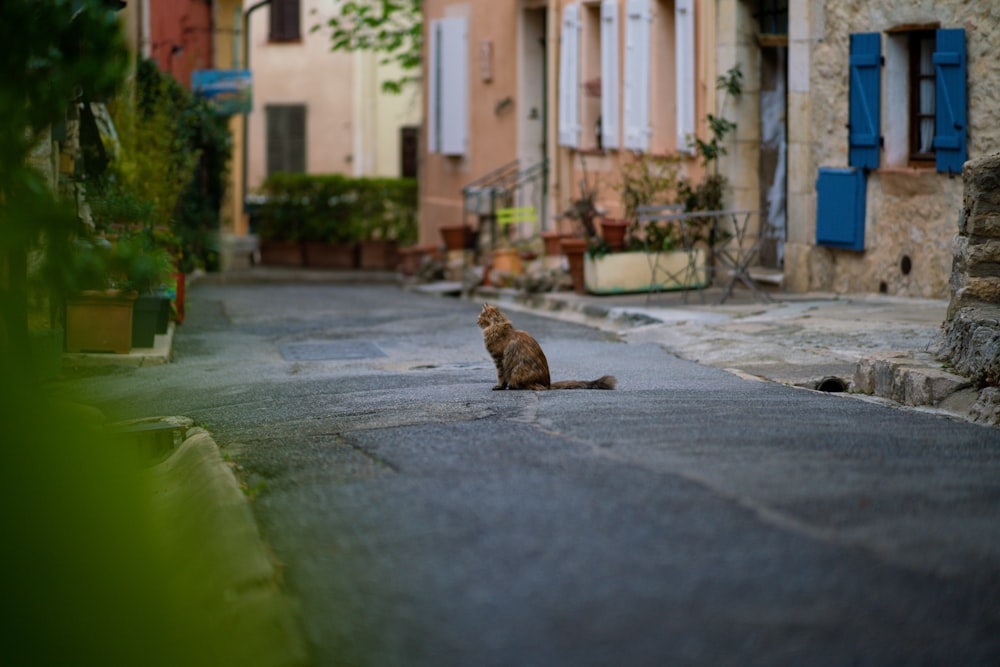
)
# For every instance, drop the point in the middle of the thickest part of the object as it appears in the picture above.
(486, 306)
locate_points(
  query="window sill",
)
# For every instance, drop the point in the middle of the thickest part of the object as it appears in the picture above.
(910, 170)
(291, 40)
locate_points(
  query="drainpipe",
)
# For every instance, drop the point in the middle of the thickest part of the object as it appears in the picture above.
(246, 115)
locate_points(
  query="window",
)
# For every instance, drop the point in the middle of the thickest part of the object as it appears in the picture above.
(924, 99)
(659, 77)
(588, 76)
(447, 78)
(591, 75)
(921, 89)
(408, 144)
(284, 21)
(286, 138)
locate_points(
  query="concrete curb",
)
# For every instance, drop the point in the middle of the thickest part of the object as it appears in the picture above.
(197, 496)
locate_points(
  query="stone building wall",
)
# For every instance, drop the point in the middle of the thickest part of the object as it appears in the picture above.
(971, 335)
(910, 212)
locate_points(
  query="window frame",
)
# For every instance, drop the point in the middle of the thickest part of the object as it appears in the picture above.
(285, 153)
(285, 21)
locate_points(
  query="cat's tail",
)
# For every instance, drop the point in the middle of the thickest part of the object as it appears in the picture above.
(604, 382)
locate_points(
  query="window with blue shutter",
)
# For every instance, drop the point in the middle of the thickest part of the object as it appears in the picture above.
(950, 120)
(840, 208)
(865, 100)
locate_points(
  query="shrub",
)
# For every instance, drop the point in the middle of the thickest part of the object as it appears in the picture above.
(337, 209)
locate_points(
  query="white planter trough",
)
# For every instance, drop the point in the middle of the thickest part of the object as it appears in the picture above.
(622, 272)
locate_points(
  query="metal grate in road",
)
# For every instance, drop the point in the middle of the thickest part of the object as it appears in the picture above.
(330, 350)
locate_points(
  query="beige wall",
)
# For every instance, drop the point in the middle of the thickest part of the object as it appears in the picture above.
(492, 128)
(379, 116)
(304, 72)
(226, 19)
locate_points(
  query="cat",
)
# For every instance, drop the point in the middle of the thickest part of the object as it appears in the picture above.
(519, 359)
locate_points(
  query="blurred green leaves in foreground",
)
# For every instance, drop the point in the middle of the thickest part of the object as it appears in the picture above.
(90, 574)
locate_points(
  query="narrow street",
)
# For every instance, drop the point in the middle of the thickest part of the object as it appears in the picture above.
(689, 517)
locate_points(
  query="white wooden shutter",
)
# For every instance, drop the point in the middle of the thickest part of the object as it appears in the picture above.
(569, 78)
(637, 35)
(433, 94)
(448, 106)
(609, 74)
(684, 39)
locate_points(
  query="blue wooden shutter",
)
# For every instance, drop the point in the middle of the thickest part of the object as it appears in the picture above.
(865, 100)
(950, 102)
(840, 208)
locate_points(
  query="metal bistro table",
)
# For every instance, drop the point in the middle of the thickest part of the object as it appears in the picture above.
(734, 246)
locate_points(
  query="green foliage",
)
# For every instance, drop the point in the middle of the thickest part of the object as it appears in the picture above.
(719, 126)
(393, 28)
(175, 154)
(55, 54)
(337, 209)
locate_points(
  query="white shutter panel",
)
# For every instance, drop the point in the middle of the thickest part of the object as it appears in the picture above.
(453, 86)
(569, 78)
(433, 90)
(609, 74)
(637, 33)
(684, 39)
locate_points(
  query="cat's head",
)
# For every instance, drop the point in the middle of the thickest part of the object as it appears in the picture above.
(489, 315)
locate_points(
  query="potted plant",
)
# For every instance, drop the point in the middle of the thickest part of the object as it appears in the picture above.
(143, 266)
(279, 221)
(665, 254)
(387, 207)
(98, 310)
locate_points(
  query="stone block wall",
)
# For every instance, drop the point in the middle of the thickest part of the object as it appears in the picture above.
(970, 337)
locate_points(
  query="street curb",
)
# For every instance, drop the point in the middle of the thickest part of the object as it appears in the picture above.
(222, 557)
(910, 379)
(161, 353)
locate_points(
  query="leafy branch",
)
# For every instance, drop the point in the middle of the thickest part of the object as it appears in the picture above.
(393, 28)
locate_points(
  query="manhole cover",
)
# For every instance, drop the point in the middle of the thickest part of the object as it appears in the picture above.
(330, 350)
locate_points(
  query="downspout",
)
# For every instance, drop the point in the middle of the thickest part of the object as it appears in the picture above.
(246, 114)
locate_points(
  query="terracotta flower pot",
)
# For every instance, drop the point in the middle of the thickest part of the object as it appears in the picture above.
(330, 255)
(281, 253)
(506, 260)
(574, 249)
(456, 237)
(552, 241)
(613, 231)
(100, 322)
(378, 254)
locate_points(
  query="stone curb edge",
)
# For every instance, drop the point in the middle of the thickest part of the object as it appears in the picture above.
(196, 494)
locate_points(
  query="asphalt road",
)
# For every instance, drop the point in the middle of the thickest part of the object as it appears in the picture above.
(689, 517)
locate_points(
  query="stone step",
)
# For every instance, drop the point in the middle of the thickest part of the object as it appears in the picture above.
(906, 377)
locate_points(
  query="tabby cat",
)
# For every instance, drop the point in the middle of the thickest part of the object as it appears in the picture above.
(519, 359)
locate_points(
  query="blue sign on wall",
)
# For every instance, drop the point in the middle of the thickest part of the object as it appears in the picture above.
(228, 90)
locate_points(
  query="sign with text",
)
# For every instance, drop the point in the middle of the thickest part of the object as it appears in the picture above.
(228, 90)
